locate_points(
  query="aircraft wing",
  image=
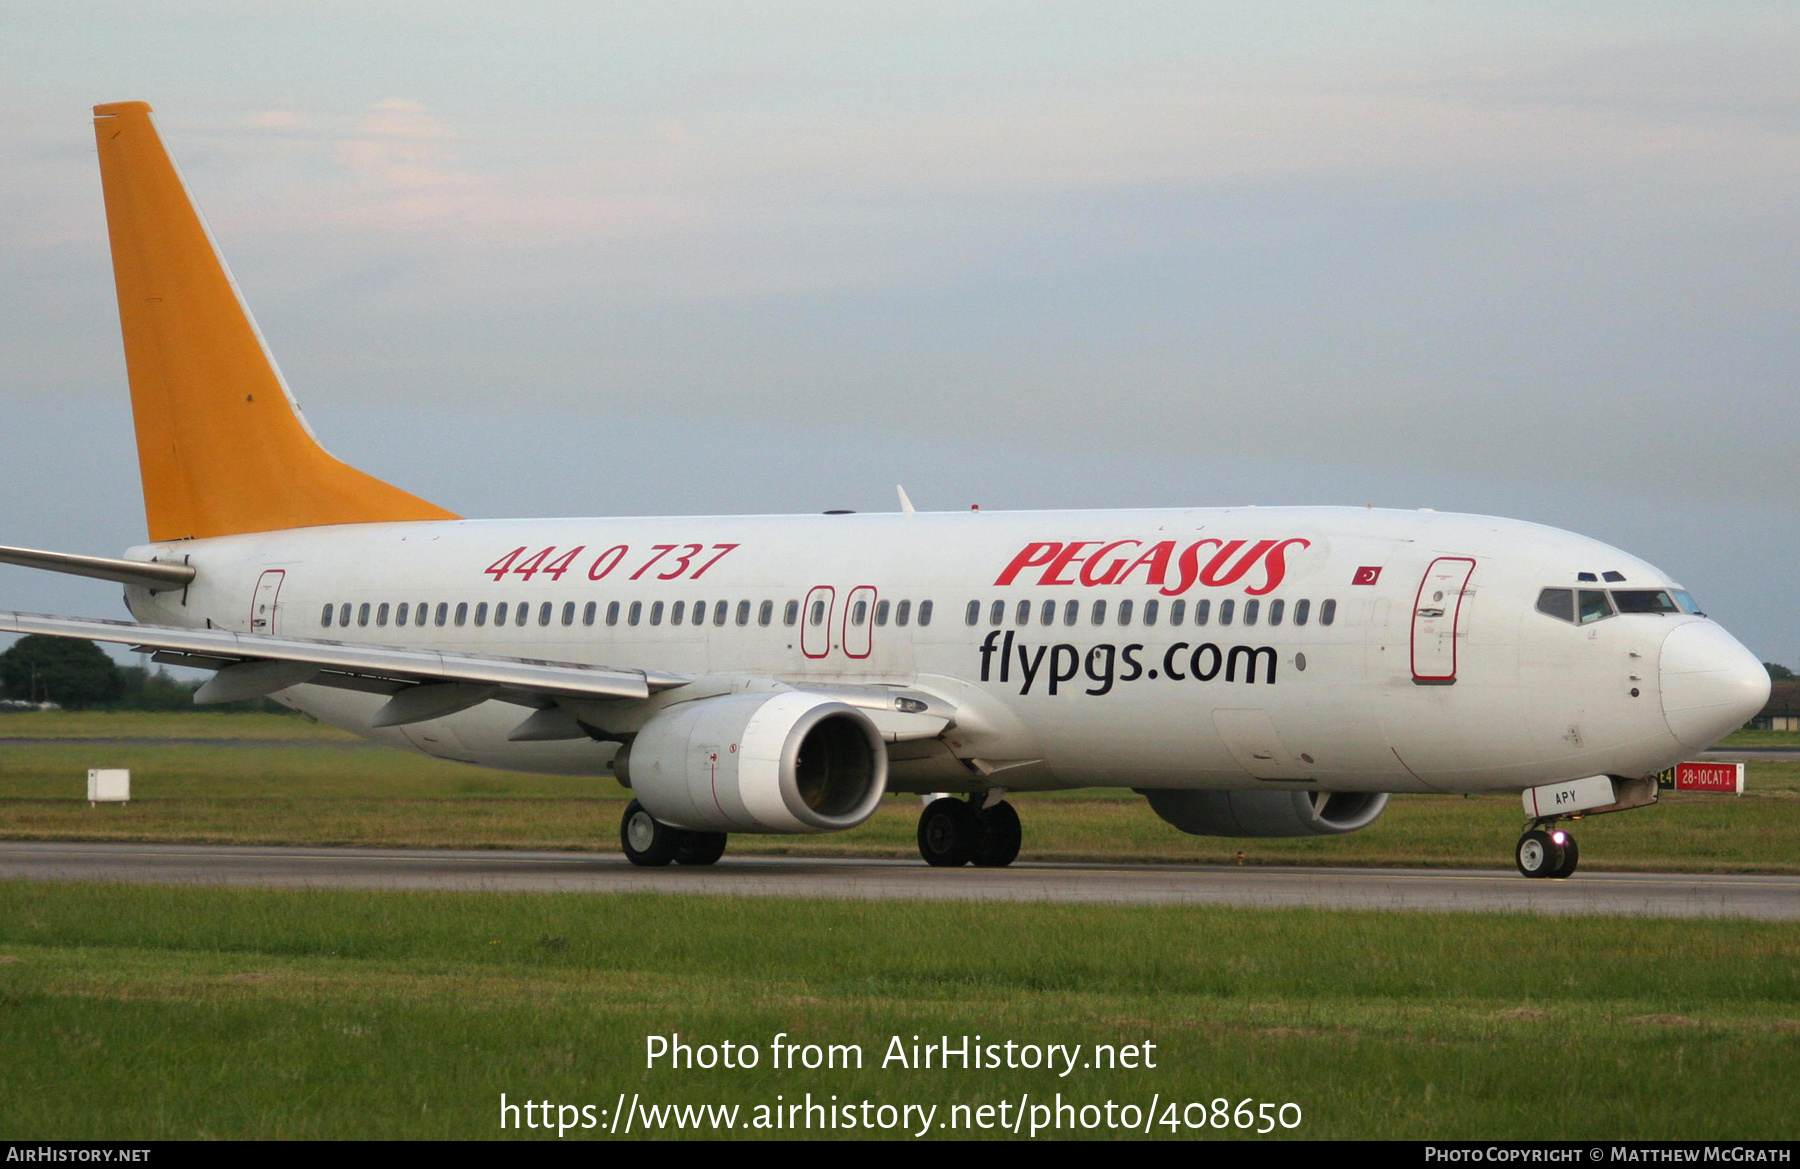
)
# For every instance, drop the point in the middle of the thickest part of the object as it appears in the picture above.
(252, 664)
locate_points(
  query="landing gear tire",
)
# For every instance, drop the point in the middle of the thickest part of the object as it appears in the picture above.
(1000, 836)
(1538, 855)
(647, 841)
(700, 848)
(949, 833)
(1571, 856)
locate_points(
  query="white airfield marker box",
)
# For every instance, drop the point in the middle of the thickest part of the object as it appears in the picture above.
(109, 785)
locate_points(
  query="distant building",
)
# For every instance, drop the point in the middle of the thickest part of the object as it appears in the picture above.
(1783, 710)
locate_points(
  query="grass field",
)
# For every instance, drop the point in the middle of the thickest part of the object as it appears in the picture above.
(149, 1012)
(282, 780)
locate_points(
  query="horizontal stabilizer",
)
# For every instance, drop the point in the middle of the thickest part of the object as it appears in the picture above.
(158, 578)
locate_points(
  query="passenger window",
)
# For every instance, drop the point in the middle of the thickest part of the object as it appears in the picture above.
(818, 614)
(443, 614)
(1023, 615)
(1225, 611)
(790, 613)
(612, 613)
(588, 612)
(997, 612)
(481, 613)
(656, 612)
(902, 612)
(1643, 601)
(1203, 612)
(1178, 612)
(1275, 611)
(1592, 605)
(381, 613)
(973, 614)
(881, 612)
(743, 613)
(462, 614)
(544, 613)
(344, 615)
(568, 614)
(522, 614)
(1327, 612)
(765, 613)
(699, 617)
(722, 609)
(1125, 612)
(420, 611)
(1250, 610)
(859, 613)
(1099, 617)
(678, 613)
(401, 614)
(362, 613)
(634, 613)
(325, 617)
(924, 613)
(499, 614)
(1048, 616)
(1302, 610)
(1150, 608)
(1557, 603)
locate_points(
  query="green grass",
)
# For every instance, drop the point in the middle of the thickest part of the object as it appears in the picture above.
(285, 781)
(145, 1012)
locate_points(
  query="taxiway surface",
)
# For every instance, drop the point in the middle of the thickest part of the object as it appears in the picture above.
(1634, 894)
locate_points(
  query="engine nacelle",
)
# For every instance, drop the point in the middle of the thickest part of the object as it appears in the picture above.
(1265, 813)
(785, 761)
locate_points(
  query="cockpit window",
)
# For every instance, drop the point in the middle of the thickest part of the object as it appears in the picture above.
(1592, 605)
(1558, 603)
(1687, 603)
(1644, 601)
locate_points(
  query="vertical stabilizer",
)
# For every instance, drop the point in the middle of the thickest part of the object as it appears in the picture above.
(221, 446)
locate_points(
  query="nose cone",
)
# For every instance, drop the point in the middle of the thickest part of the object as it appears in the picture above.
(1711, 685)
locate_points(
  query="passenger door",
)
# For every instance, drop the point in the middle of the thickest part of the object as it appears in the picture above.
(1437, 620)
(859, 622)
(263, 607)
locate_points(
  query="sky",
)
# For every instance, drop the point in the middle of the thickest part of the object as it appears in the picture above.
(1536, 260)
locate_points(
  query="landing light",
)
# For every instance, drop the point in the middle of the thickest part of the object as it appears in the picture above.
(1560, 837)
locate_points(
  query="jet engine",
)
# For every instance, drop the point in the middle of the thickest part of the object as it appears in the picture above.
(786, 761)
(1265, 813)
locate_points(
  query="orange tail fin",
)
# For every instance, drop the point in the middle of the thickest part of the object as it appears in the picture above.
(221, 445)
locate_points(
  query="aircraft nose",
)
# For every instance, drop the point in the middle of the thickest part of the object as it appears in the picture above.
(1711, 685)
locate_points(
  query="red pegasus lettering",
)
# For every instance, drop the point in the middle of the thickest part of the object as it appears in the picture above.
(1112, 570)
(1156, 560)
(1210, 575)
(1189, 566)
(1031, 557)
(1053, 574)
(1275, 566)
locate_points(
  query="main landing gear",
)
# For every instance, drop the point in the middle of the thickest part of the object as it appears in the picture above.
(954, 832)
(650, 843)
(1546, 851)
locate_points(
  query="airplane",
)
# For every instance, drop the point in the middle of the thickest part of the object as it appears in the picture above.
(1251, 671)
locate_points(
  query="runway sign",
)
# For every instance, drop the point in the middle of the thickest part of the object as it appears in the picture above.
(1702, 777)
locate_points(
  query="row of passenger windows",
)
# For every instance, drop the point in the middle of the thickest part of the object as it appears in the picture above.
(1582, 606)
(634, 613)
(1124, 613)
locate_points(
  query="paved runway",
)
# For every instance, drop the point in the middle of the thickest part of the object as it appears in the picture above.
(1636, 894)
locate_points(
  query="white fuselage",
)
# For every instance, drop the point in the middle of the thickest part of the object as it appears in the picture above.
(1327, 658)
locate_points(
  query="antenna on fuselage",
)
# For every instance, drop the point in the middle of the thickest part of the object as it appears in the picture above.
(906, 506)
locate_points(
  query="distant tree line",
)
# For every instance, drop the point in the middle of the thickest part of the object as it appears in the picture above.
(1778, 672)
(78, 675)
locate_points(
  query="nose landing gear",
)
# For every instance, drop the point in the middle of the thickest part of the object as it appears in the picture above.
(1546, 851)
(954, 832)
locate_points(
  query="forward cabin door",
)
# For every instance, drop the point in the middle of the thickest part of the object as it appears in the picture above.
(815, 621)
(1438, 620)
(263, 605)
